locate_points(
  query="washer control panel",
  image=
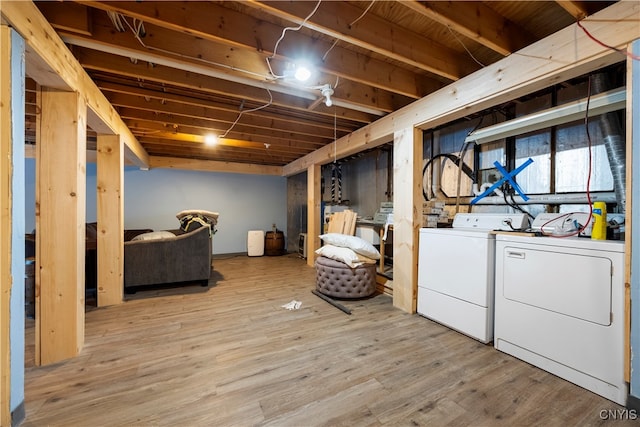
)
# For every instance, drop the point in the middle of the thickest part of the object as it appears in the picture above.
(491, 221)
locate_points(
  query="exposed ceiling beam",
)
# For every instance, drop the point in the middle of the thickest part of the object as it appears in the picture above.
(156, 162)
(94, 60)
(74, 17)
(158, 134)
(532, 68)
(164, 123)
(177, 148)
(359, 100)
(48, 56)
(578, 9)
(141, 97)
(214, 22)
(375, 34)
(475, 21)
(211, 118)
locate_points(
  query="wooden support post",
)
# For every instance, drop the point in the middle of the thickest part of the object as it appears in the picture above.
(110, 201)
(51, 64)
(314, 197)
(407, 213)
(60, 225)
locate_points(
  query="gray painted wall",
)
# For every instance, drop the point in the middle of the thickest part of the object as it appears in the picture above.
(18, 224)
(153, 198)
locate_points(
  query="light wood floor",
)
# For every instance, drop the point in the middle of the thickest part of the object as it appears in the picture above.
(231, 355)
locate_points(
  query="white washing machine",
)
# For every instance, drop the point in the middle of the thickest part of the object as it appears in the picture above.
(456, 272)
(560, 306)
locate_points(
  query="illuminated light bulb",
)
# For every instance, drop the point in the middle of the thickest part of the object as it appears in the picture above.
(211, 140)
(302, 73)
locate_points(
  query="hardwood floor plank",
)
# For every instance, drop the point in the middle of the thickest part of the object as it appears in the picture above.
(230, 355)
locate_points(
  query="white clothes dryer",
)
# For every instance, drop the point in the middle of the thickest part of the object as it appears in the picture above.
(560, 307)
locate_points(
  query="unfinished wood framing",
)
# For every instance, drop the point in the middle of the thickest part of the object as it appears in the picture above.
(566, 54)
(212, 166)
(110, 216)
(407, 215)
(563, 55)
(60, 225)
(51, 64)
(314, 174)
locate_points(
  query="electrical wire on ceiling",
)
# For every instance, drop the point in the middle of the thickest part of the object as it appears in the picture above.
(350, 25)
(615, 49)
(115, 18)
(137, 28)
(224, 135)
(464, 46)
(284, 31)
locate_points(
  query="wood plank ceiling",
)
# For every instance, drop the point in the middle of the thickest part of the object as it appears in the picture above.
(178, 72)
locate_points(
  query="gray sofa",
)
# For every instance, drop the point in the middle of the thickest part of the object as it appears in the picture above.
(183, 257)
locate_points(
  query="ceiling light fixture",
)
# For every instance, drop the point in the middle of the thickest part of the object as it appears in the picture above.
(302, 73)
(211, 140)
(212, 72)
(327, 91)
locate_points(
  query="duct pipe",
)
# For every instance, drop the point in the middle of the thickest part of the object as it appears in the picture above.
(540, 199)
(614, 144)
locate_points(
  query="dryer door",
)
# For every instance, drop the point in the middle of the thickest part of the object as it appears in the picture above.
(566, 283)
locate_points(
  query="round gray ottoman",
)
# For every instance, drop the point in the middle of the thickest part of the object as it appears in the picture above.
(337, 279)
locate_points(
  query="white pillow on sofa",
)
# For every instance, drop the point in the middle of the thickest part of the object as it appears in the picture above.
(354, 243)
(154, 235)
(346, 255)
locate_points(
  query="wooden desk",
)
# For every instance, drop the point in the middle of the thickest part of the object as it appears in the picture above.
(380, 229)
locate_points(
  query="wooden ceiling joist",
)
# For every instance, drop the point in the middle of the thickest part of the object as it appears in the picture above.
(48, 56)
(173, 104)
(372, 33)
(261, 36)
(213, 166)
(475, 21)
(218, 126)
(185, 68)
(528, 70)
(93, 60)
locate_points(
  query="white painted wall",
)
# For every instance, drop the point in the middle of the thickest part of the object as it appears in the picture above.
(153, 198)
